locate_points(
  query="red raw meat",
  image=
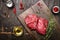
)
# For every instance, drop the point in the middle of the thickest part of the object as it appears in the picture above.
(41, 26)
(41, 30)
(31, 21)
(43, 21)
(38, 23)
(31, 18)
(32, 25)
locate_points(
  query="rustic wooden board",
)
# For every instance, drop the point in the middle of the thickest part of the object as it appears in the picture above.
(44, 11)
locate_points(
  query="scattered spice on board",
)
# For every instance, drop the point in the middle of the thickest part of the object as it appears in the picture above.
(21, 5)
(14, 10)
(39, 4)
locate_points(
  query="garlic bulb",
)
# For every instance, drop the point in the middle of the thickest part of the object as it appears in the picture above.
(9, 3)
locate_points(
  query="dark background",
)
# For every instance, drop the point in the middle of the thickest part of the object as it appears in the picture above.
(12, 21)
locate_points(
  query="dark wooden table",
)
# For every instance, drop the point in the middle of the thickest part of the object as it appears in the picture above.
(10, 20)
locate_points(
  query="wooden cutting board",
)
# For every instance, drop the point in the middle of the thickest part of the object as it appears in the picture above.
(40, 9)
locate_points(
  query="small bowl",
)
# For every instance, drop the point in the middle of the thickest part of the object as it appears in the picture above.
(9, 3)
(18, 31)
(55, 9)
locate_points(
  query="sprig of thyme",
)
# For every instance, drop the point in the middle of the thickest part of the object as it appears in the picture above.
(50, 28)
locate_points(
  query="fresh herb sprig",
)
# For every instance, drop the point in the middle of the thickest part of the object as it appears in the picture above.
(50, 28)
